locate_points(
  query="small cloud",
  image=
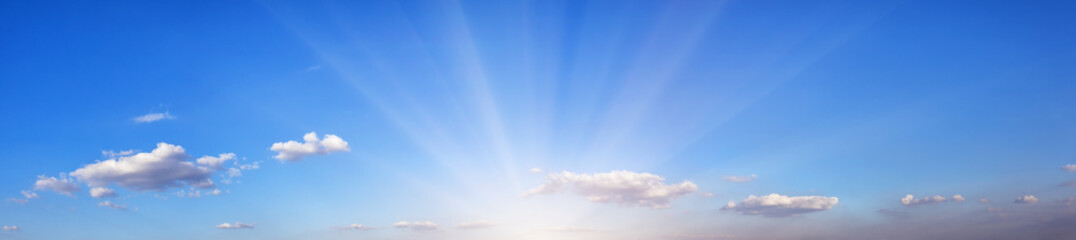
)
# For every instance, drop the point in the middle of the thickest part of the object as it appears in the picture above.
(237, 225)
(571, 229)
(984, 200)
(739, 179)
(536, 170)
(293, 151)
(476, 225)
(29, 194)
(109, 154)
(706, 194)
(1069, 168)
(102, 192)
(153, 117)
(621, 187)
(775, 205)
(10, 228)
(112, 205)
(1029, 199)
(215, 162)
(417, 226)
(62, 185)
(353, 227)
(909, 200)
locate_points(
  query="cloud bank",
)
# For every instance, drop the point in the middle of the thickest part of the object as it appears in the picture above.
(293, 151)
(620, 187)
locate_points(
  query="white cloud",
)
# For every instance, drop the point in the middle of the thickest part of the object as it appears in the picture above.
(1070, 167)
(112, 205)
(739, 179)
(62, 185)
(10, 228)
(621, 187)
(237, 225)
(1030, 199)
(216, 162)
(476, 225)
(572, 229)
(29, 194)
(294, 151)
(353, 227)
(536, 170)
(102, 192)
(775, 205)
(164, 167)
(153, 117)
(909, 200)
(418, 226)
(984, 200)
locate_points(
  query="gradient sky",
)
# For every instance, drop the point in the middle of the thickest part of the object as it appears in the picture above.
(538, 119)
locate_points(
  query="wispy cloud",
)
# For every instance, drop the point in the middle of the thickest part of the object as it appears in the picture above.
(353, 227)
(417, 226)
(237, 225)
(476, 225)
(739, 179)
(620, 187)
(153, 117)
(112, 205)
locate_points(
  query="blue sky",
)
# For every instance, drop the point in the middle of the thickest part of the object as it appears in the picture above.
(537, 119)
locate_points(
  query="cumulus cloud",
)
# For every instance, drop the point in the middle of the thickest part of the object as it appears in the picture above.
(112, 205)
(418, 226)
(102, 192)
(910, 200)
(10, 228)
(215, 162)
(62, 185)
(153, 117)
(353, 227)
(739, 179)
(237, 225)
(622, 187)
(1029, 199)
(476, 225)
(775, 205)
(294, 151)
(1070, 167)
(164, 167)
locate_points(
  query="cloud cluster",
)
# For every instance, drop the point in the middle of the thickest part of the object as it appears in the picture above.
(237, 225)
(418, 226)
(775, 205)
(621, 187)
(62, 185)
(164, 167)
(153, 117)
(1029, 199)
(739, 179)
(476, 225)
(909, 200)
(293, 151)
